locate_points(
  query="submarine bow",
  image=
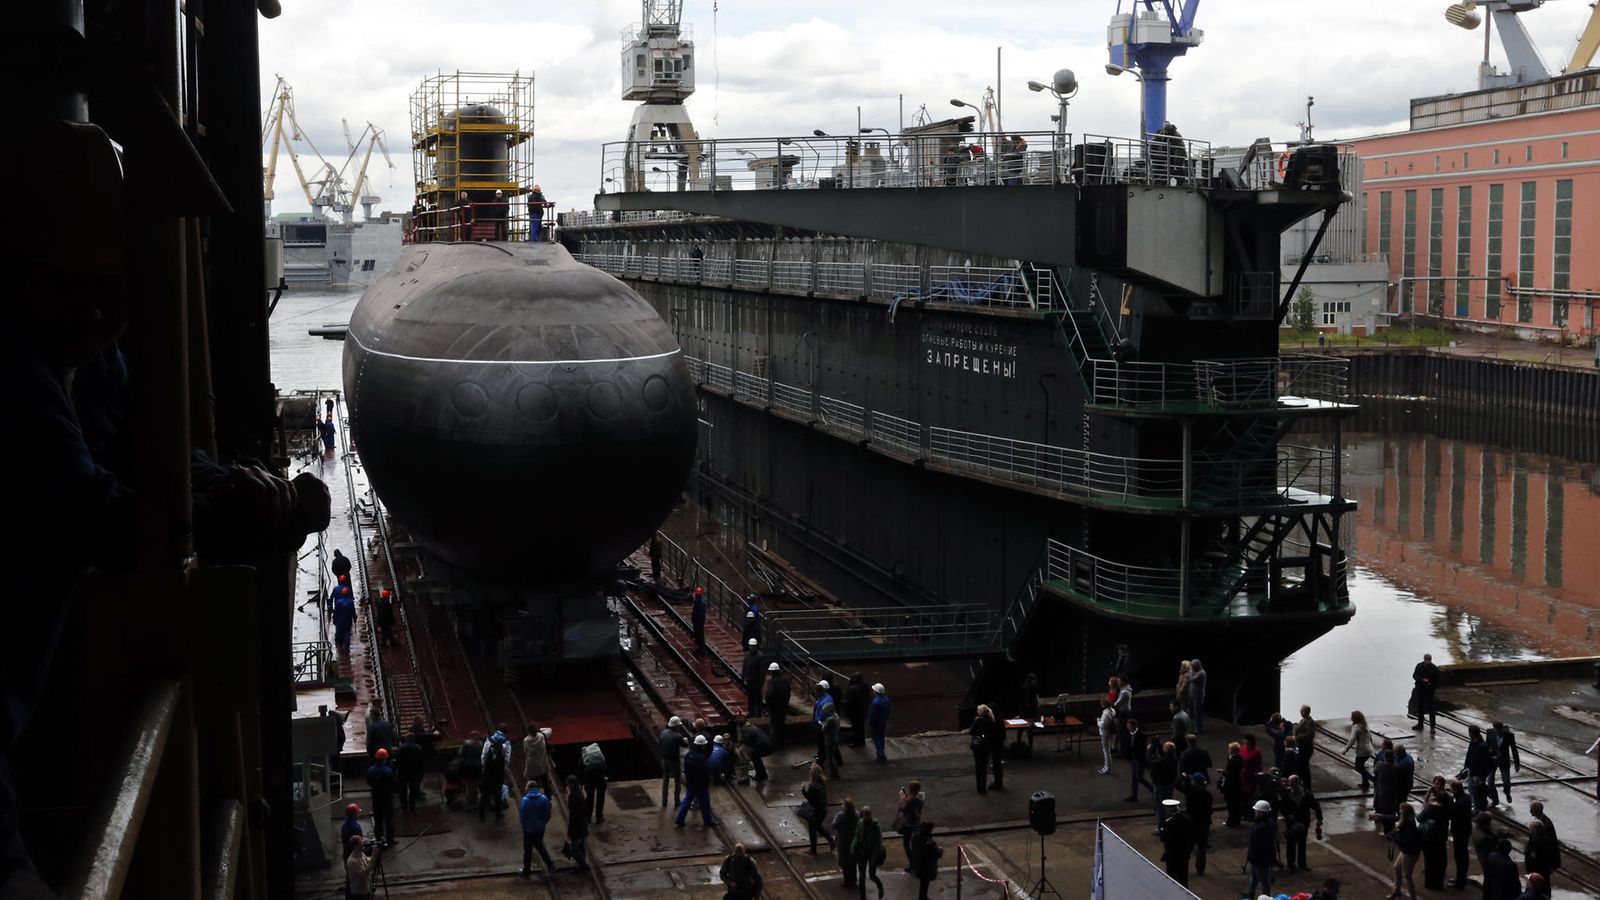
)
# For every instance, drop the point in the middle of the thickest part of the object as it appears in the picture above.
(521, 413)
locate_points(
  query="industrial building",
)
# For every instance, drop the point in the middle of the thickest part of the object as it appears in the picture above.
(1479, 204)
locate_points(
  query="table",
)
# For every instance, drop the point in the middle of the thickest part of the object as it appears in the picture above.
(1067, 729)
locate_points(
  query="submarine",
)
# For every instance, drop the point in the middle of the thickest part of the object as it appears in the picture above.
(522, 414)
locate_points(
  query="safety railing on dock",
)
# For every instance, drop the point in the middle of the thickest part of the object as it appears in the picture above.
(1295, 475)
(312, 662)
(882, 632)
(918, 159)
(1220, 383)
(1024, 287)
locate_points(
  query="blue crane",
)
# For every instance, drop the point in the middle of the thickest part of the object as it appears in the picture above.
(1148, 40)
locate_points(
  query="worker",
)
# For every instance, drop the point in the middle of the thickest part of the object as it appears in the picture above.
(497, 214)
(698, 617)
(340, 565)
(818, 714)
(878, 718)
(753, 674)
(752, 617)
(384, 614)
(464, 217)
(534, 813)
(329, 432)
(697, 782)
(721, 761)
(381, 781)
(350, 829)
(669, 746)
(777, 702)
(536, 206)
(344, 619)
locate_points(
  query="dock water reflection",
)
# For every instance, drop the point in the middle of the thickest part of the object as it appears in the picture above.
(1466, 549)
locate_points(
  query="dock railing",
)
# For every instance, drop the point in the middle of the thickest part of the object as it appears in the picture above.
(882, 632)
(907, 160)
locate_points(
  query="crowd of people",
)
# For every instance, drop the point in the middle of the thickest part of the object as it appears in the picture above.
(1444, 827)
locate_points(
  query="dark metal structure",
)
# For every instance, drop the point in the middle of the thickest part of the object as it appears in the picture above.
(1083, 437)
(523, 414)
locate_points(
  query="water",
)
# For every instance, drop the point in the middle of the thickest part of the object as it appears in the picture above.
(300, 361)
(1464, 550)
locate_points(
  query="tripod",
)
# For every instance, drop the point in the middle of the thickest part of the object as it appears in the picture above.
(1044, 886)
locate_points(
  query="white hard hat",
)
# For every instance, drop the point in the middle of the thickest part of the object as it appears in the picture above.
(1175, 803)
(749, 614)
(878, 688)
(752, 642)
(674, 722)
(699, 740)
(824, 684)
(720, 739)
(772, 667)
(1262, 806)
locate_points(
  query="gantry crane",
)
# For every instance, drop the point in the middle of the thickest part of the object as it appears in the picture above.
(1148, 40)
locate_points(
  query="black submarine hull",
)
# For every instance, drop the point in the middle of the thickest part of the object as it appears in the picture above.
(522, 414)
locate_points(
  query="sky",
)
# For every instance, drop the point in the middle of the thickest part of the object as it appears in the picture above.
(781, 68)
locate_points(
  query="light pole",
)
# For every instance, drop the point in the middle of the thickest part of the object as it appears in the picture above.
(1063, 86)
(994, 151)
(1114, 69)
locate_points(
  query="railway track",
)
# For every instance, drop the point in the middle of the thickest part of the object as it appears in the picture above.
(1589, 882)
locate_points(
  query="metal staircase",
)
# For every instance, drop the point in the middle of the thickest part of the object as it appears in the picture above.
(1249, 563)
(1239, 465)
(1021, 609)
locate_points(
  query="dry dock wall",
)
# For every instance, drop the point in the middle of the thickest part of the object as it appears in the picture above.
(1563, 391)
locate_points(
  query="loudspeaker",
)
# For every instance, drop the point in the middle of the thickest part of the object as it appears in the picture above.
(1042, 812)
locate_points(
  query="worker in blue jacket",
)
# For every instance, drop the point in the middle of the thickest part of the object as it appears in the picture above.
(721, 762)
(878, 718)
(698, 617)
(382, 782)
(344, 620)
(752, 619)
(824, 700)
(534, 811)
(697, 782)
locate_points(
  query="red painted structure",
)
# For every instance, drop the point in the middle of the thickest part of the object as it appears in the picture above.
(1501, 187)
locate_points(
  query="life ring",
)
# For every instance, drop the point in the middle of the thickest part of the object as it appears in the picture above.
(1283, 164)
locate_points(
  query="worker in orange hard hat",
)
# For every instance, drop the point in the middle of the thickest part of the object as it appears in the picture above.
(383, 615)
(699, 618)
(351, 828)
(382, 781)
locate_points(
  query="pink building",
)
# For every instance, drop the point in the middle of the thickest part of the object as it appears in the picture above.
(1488, 207)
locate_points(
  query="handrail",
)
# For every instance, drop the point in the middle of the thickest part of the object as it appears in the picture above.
(910, 160)
(117, 817)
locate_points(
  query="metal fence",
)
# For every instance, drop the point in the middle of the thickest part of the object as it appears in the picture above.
(890, 280)
(312, 662)
(751, 273)
(1289, 476)
(977, 285)
(842, 278)
(882, 632)
(828, 162)
(791, 275)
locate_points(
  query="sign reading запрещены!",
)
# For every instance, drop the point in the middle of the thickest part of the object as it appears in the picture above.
(974, 347)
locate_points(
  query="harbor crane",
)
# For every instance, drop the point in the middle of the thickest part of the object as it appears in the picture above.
(658, 70)
(330, 193)
(1146, 40)
(1524, 65)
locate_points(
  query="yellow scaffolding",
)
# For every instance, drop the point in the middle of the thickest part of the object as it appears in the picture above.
(472, 131)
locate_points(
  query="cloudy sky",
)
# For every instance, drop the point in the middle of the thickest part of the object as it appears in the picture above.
(769, 68)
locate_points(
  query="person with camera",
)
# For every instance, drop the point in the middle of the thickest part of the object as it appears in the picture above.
(909, 816)
(360, 867)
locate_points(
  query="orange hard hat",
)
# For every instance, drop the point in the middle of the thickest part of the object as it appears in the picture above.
(385, 592)
(699, 591)
(352, 809)
(343, 578)
(383, 753)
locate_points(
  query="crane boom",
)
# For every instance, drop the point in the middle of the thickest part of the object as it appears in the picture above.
(1583, 57)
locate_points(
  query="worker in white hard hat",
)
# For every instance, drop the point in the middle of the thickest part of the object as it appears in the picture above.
(878, 718)
(697, 782)
(753, 675)
(824, 700)
(670, 748)
(777, 703)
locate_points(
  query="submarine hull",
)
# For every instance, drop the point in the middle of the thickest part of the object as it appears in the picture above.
(522, 414)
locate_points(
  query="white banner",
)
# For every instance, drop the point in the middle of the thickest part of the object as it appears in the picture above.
(1123, 873)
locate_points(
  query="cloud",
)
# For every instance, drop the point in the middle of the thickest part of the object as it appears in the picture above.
(768, 69)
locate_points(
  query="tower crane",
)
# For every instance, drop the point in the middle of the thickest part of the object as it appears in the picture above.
(1148, 40)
